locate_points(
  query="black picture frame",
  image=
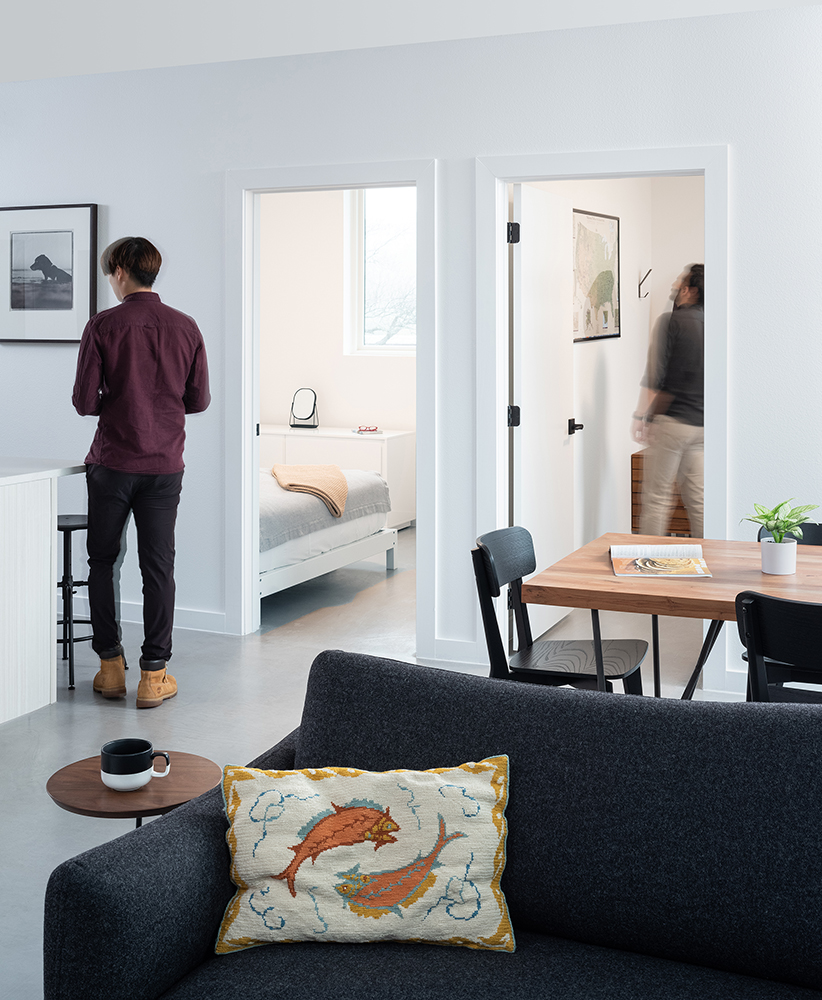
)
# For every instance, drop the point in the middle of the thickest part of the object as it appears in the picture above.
(596, 305)
(48, 272)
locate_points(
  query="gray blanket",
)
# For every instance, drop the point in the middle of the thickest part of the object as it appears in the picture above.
(285, 515)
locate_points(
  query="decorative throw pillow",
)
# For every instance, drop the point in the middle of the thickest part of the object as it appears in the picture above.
(338, 854)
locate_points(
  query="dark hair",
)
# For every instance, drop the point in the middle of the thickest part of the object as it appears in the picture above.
(137, 257)
(695, 278)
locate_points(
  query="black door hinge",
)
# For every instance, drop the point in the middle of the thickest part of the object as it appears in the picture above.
(513, 232)
(513, 416)
(258, 430)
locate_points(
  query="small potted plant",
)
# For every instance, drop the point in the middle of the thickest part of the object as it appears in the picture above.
(779, 552)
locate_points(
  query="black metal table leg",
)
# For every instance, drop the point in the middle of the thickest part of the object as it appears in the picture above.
(655, 640)
(710, 640)
(601, 685)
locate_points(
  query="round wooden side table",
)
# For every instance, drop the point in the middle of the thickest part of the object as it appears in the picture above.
(79, 788)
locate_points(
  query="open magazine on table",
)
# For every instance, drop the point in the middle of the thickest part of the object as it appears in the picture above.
(658, 560)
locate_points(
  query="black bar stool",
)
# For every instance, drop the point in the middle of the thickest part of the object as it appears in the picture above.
(68, 523)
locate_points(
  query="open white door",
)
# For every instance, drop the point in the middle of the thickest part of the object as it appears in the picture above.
(543, 380)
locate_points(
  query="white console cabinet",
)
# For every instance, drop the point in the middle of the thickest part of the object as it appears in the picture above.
(28, 582)
(390, 453)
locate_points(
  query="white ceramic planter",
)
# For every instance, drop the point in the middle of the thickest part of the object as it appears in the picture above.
(778, 558)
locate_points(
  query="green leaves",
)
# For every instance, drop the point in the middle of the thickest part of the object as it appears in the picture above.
(782, 519)
(802, 510)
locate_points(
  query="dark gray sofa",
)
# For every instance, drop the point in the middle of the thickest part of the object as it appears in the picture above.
(656, 849)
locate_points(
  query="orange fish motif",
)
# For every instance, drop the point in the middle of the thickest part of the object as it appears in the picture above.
(377, 893)
(345, 826)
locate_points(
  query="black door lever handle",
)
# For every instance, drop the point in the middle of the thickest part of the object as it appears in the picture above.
(573, 427)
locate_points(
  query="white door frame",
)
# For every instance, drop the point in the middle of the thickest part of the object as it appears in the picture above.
(241, 369)
(493, 174)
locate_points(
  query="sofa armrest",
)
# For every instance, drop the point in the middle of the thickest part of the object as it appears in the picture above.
(130, 918)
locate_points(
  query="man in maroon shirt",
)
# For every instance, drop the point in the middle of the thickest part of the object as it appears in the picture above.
(141, 368)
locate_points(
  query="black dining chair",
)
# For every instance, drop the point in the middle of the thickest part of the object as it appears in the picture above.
(776, 631)
(783, 673)
(506, 556)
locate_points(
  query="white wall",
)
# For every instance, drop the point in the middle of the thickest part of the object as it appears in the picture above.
(678, 235)
(152, 149)
(607, 372)
(301, 322)
(662, 227)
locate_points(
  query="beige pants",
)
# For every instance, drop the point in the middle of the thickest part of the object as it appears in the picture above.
(674, 454)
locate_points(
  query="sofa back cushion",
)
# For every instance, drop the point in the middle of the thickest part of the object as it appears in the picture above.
(687, 830)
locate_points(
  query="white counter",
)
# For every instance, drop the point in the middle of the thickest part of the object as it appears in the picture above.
(28, 582)
(28, 470)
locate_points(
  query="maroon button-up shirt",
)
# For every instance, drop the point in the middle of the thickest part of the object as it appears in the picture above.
(141, 368)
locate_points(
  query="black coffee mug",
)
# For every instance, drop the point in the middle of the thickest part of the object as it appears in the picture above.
(126, 765)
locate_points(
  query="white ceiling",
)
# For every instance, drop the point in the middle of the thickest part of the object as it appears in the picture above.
(49, 38)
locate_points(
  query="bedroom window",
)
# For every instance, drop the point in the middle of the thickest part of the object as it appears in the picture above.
(381, 271)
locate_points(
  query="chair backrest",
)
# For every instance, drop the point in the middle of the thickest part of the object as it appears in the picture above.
(503, 557)
(811, 534)
(783, 630)
(509, 555)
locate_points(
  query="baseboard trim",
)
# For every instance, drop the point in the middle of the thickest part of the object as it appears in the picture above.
(712, 694)
(188, 618)
(461, 666)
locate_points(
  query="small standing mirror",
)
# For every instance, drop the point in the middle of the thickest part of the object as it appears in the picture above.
(304, 409)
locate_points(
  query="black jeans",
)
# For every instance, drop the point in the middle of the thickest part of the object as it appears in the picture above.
(153, 500)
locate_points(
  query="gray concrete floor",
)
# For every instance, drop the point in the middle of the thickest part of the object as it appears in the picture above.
(238, 696)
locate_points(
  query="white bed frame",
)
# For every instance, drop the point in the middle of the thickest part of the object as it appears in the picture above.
(274, 580)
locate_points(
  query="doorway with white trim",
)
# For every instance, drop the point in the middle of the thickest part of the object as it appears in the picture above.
(656, 227)
(244, 192)
(493, 177)
(337, 321)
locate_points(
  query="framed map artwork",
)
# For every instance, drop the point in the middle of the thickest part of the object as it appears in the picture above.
(596, 276)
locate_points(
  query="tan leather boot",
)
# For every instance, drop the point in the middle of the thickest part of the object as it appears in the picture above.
(155, 685)
(110, 679)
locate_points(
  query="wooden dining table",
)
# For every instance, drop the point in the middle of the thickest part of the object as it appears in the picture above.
(585, 579)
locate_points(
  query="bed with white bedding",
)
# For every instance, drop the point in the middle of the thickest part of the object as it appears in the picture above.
(301, 540)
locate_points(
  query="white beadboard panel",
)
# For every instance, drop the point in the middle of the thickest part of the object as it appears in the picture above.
(27, 602)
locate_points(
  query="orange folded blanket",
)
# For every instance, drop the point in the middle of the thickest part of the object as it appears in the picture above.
(324, 481)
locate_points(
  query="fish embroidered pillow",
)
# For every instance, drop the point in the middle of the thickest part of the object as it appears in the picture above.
(338, 854)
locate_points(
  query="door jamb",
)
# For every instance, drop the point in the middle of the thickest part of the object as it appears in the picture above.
(492, 175)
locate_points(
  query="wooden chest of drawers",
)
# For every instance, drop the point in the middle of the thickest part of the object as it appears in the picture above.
(679, 524)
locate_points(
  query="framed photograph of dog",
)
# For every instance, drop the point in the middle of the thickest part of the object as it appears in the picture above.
(48, 272)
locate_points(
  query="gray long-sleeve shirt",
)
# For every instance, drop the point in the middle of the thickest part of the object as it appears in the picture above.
(676, 364)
